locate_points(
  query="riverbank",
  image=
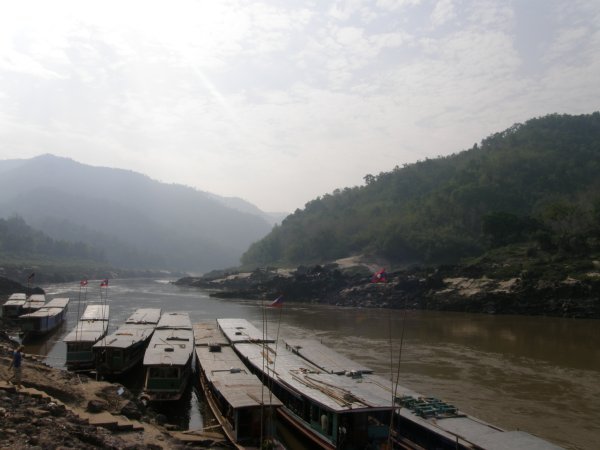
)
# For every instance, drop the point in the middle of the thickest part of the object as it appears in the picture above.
(444, 288)
(59, 409)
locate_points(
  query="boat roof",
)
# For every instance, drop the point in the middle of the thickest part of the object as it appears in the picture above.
(208, 333)
(34, 303)
(175, 320)
(339, 393)
(240, 330)
(43, 312)
(138, 327)
(96, 312)
(514, 440)
(228, 374)
(169, 347)
(87, 331)
(17, 296)
(59, 302)
(126, 335)
(37, 298)
(323, 357)
(145, 316)
(479, 433)
(14, 303)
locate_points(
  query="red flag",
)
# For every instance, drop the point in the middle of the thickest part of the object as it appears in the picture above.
(379, 277)
(30, 277)
(104, 283)
(83, 283)
(277, 303)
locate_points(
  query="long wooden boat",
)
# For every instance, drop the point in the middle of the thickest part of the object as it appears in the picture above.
(34, 302)
(329, 408)
(337, 403)
(13, 307)
(122, 350)
(91, 327)
(424, 422)
(45, 319)
(243, 406)
(168, 358)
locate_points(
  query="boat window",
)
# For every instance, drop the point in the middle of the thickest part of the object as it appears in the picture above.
(164, 372)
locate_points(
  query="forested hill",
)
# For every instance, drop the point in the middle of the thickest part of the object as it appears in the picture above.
(537, 182)
(20, 242)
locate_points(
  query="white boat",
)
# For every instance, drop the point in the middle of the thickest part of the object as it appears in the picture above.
(91, 327)
(122, 350)
(168, 358)
(45, 319)
(238, 399)
(13, 307)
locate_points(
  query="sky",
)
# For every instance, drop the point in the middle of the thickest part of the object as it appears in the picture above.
(279, 102)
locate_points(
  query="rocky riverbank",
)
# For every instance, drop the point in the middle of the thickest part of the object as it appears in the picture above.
(56, 409)
(447, 288)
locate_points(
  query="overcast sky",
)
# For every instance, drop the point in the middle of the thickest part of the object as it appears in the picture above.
(281, 101)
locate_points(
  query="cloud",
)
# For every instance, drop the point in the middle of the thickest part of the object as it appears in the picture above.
(443, 12)
(281, 102)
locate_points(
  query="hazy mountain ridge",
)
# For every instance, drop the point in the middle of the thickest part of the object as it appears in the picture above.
(535, 182)
(162, 223)
(242, 205)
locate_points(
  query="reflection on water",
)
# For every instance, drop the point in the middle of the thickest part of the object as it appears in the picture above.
(532, 373)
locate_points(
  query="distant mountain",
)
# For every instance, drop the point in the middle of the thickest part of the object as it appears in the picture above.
(242, 205)
(138, 222)
(536, 182)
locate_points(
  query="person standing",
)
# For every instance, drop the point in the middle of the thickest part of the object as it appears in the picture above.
(16, 366)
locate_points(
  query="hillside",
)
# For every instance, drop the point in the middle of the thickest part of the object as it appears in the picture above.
(137, 222)
(535, 184)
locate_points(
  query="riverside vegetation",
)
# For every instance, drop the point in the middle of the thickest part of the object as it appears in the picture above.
(534, 186)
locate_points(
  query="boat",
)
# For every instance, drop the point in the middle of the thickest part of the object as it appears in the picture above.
(337, 403)
(240, 402)
(420, 421)
(122, 350)
(34, 302)
(13, 307)
(428, 422)
(91, 327)
(168, 358)
(330, 406)
(45, 319)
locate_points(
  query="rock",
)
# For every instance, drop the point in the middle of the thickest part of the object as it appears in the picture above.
(131, 411)
(96, 406)
(160, 419)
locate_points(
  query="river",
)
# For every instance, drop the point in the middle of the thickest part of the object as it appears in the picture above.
(537, 374)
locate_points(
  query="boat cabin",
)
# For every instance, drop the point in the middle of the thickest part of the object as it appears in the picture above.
(13, 307)
(91, 327)
(45, 319)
